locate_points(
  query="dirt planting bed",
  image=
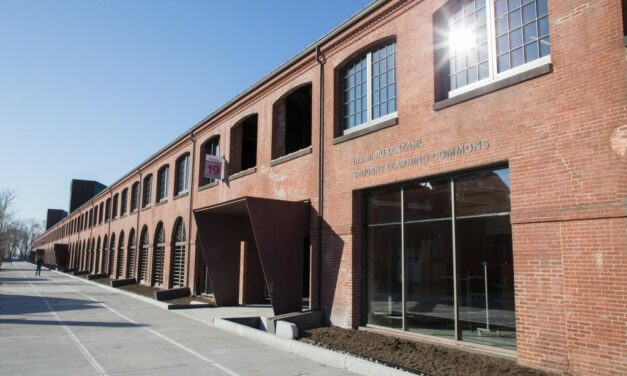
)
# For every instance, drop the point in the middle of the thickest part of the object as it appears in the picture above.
(414, 356)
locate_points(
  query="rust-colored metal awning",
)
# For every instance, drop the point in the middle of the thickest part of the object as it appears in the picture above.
(275, 231)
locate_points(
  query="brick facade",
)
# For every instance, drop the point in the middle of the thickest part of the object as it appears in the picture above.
(563, 135)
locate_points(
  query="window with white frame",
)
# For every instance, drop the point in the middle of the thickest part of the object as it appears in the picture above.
(368, 88)
(182, 174)
(480, 41)
(146, 197)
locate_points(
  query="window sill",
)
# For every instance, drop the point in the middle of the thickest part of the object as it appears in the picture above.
(146, 207)
(122, 216)
(162, 202)
(494, 86)
(207, 186)
(181, 195)
(241, 174)
(133, 212)
(290, 156)
(365, 131)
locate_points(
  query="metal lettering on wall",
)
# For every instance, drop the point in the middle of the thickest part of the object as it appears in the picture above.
(419, 160)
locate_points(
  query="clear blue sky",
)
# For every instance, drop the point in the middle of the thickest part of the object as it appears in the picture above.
(128, 77)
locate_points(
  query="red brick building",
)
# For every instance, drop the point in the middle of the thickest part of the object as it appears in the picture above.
(459, 167)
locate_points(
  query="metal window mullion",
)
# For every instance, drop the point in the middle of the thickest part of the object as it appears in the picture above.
(403, 274)
(491, 28)
(369, 86)
(455, 302)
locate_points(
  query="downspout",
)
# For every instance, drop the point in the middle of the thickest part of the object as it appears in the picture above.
(192, 173)
(135, 272)
(320, 218)
(109, 229)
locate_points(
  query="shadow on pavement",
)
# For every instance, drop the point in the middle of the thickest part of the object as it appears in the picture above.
(25, 304)
(72, 323)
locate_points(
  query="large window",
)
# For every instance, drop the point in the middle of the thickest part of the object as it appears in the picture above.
(291, 122)
(368, 88)
(162, 183)
(134, 196)
(100, 212)
(146, 196)
(479, 41)
(182, 174)
(243, 153)
(439, 258)
(211, 147)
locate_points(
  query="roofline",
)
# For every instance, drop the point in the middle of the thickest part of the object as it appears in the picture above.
(374, 5)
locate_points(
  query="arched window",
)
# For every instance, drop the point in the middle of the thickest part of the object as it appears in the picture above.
(111, 255)
(162, 183)
(130, 255)
(243, 150)
(120, 256)
(291, 122)
(114, 209)
(211, 147)
(105, 255)
(108, 209)
(182, 175)
(134, 196)
(97, 261)
(143, 257)
(92, 266)
(158, 259)
(178, 254)
(146, 196)
(100, 212)
(124, 199)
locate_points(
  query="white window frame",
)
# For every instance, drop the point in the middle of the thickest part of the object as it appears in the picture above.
(372, 122)
(492, 57)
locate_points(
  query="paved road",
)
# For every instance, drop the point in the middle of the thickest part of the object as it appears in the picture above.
(57, 325)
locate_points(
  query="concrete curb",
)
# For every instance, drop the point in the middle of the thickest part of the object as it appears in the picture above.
(329, 357)
(156, 303)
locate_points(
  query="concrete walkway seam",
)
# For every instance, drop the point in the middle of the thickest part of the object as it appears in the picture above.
(321, 355)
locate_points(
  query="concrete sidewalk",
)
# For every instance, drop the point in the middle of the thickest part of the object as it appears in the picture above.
(57, 325)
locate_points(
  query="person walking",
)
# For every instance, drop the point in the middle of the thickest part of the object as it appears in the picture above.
(40, 262)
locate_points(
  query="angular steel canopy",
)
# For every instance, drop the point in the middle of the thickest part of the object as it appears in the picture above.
(275, 231)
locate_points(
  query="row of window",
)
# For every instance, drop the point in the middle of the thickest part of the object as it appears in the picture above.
(118, 258)
(476, 42)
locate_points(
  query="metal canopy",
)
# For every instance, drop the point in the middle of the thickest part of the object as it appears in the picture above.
(275, 231)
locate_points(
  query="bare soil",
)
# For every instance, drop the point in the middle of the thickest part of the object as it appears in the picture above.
(416, 357)
(191, 300)
(147, 291)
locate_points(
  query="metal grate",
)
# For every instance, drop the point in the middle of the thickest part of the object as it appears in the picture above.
(111, 256)
(118, 269)
(130, 257)
(157, 275)
(178, 262)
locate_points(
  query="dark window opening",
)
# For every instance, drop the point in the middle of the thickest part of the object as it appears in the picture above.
(123, 203)
(243, 145)
(108, 209)
(115, 206)
(134, 196)
(100, 212)
(291, 118)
